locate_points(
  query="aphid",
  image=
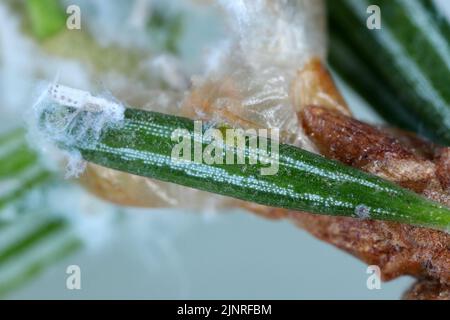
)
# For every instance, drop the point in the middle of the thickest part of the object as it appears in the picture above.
(362, 211)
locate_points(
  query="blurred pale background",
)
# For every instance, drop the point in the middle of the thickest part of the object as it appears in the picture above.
(234, 256)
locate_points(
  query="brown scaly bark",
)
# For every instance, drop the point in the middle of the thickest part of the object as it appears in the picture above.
(394, 155)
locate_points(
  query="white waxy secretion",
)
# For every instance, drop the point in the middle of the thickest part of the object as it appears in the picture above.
(84, 100)
(95, 112)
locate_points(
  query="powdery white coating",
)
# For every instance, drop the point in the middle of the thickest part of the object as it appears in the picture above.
(70, 105)
(75, 164)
